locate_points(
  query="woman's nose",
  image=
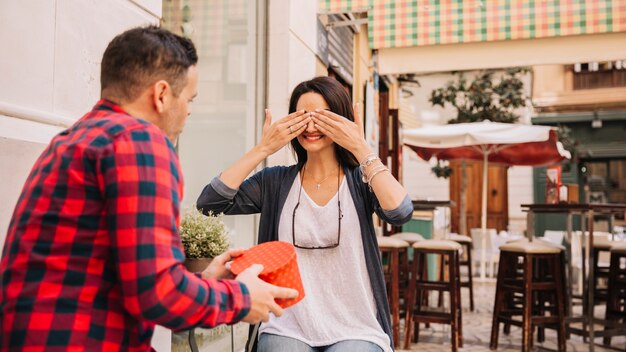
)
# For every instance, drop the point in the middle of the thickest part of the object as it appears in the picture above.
(310, 127)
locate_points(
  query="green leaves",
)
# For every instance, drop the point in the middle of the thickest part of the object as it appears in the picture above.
(484, 98)
(203, 236)
(441, 171)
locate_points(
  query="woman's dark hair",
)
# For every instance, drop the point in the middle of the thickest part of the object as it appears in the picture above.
(141, 56)
(338, 101)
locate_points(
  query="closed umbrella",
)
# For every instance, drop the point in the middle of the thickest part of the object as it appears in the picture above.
(506, 143)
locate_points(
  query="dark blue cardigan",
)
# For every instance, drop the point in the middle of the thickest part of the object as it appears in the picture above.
(266, 192)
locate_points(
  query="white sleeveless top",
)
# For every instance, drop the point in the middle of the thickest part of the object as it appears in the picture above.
(338, 303)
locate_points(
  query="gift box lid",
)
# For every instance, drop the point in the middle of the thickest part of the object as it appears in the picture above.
(272, 255)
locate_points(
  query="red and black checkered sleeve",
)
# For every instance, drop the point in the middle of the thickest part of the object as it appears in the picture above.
(142, 183)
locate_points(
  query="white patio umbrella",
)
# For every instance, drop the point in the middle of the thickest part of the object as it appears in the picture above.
(507, 143)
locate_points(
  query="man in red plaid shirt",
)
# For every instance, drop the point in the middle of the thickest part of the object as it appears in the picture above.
(92, 259)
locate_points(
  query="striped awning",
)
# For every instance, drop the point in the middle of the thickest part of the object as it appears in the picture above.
(406, 23)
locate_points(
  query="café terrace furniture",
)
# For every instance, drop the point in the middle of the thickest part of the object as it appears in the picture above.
(392, 249)
(431, 206)
(533, 270)
(419, 285)
(410, 238)
(465, 260)
(587, 213)
(616, 293)
(405, 262)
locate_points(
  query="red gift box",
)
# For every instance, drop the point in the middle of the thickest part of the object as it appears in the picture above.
(280, 267)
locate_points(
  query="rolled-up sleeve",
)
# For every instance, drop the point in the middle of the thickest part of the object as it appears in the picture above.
(217, 197)
(398, 216)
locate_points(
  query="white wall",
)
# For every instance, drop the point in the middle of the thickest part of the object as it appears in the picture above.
(292, 59)
(49, 69)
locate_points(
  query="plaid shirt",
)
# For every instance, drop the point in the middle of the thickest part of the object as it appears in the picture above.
(92, 259)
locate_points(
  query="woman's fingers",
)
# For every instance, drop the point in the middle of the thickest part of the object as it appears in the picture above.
(299, 128)
(327, 122)
(296, 125)
(358, 119)
(331, 115)
(268, 120)
(322, 127)
(294, 117)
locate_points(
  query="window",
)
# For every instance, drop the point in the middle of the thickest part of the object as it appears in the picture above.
(226, 113)
(594, 75)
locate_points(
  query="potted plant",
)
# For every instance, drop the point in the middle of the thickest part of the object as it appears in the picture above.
(204, 237)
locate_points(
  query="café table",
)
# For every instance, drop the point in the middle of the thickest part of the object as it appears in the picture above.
(587, 213)
(431, 206)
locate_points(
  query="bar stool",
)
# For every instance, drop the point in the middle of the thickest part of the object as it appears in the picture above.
(394, 249)
(516, 300)
(616, 297)
(410, 238)
(540, 274)
(419, 283)
(466, 260)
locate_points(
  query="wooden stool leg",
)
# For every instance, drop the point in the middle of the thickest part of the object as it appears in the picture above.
(471, 275)
(498, 304)
(454, 325)
(457, 291)
(612, 300)
(422, 295)
(560, 302)
(528, 304)
(410, 302)
(425, 297)
(454, 338)
(540, 297)
(442, 266)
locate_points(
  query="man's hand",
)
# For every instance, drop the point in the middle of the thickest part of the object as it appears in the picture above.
(262, 295)
(218, 268)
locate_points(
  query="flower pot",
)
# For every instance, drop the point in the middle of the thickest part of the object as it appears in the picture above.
(197, 265)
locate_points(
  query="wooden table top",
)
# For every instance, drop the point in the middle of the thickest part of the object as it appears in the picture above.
(581, 207)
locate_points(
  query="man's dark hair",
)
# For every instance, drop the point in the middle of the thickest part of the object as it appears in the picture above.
(338, 101)
(140, 57)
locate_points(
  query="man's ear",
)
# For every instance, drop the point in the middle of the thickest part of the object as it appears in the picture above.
(161, 95)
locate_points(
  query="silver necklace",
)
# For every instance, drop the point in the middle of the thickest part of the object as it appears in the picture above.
(318, 184)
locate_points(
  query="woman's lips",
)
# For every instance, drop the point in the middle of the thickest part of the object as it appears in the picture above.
(312, 137)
